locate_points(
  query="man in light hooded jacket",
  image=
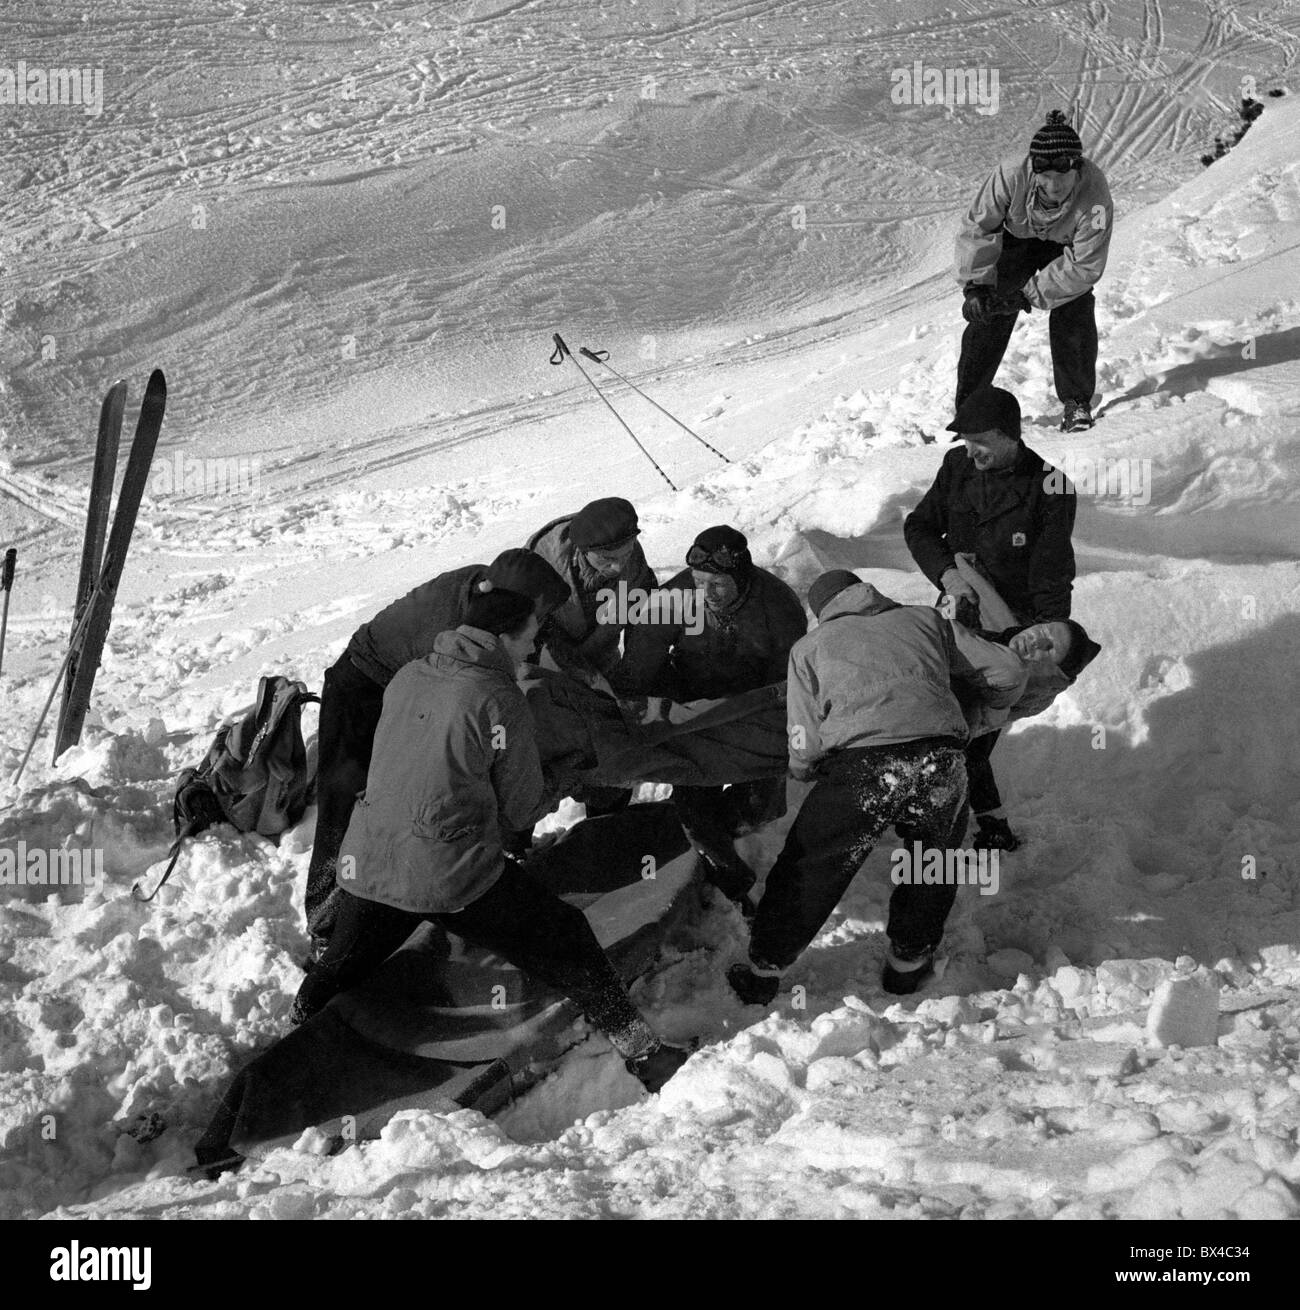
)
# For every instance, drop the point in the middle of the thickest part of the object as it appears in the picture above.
(454, 769)
(873, 722)
(1036, 237)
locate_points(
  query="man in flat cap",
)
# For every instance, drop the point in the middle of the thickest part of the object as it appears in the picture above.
(594, 551)
(994, 504)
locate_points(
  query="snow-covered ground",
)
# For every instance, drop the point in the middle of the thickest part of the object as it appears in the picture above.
(347, 232)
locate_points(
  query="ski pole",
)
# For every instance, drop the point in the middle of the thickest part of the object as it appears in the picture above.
(6, 584)
(72, 646)
(602, 357)
(560, 354)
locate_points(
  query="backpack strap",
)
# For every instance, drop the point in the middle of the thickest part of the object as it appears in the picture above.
(174, 854)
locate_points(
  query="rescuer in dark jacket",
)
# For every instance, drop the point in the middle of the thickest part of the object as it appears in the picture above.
(996, 500)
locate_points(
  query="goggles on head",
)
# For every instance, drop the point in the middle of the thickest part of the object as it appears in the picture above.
(722, 559)
(1058, 164)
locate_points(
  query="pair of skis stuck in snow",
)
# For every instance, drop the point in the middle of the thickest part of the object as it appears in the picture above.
(562, 352)
(102, 560)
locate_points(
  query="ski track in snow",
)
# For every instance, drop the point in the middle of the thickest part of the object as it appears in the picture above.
(346, 160)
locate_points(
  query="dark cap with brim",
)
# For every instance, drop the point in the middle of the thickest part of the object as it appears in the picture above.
(604, 524)
(827, 587)
(985, 409)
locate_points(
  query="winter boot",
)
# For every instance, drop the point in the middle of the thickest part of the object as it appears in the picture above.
(754, 984)
(657, 1065)
(907, 969)
(1077, 416)
(994, 834)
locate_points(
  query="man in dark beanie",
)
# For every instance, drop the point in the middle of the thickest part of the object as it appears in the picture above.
(993, 502)
(874, 724)
(455, 769)
(720, 627)
(596, 552)
(1037, 237)
(353, 695)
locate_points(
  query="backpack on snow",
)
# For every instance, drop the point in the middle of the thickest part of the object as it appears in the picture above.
(255, 776)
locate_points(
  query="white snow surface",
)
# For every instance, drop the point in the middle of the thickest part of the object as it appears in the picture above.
(291, 209)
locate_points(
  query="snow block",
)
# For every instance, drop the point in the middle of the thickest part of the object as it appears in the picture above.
(1185, 1012)
(1145, 975)
(428, 1030)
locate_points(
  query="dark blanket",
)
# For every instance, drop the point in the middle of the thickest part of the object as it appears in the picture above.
(588, 736)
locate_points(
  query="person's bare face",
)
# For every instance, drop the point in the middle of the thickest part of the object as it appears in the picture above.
(1043, 643)
(991, 449)
(720, 589)
(519, 645)
(1055, 187)
(610, 562)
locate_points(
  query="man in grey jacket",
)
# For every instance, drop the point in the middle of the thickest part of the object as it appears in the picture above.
(874, 724)
(353, 696)
(454, 770)
(1036, 237)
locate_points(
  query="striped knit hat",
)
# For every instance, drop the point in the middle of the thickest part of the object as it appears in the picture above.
(1055, 138)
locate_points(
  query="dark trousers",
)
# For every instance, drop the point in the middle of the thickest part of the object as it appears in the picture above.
(1071, 329)
(712, 817)
(921, 788)
(984, 794)
(516, 918)
(349, 714)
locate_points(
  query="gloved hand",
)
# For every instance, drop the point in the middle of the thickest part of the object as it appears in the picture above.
(517, 844)
(1011, 302)
(977, 308)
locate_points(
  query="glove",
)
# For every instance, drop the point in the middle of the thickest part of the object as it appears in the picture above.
(977, 308)
(1011, 302)
(518, 843)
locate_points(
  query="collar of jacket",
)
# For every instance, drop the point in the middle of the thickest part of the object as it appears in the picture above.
(862, 599)
(471, 648)
(992, 492)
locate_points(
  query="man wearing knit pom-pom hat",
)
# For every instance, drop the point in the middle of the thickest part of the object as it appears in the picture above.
(1037, 237)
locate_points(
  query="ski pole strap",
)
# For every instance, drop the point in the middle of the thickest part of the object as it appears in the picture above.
(7, 572)
(596, 356)
(560, 351)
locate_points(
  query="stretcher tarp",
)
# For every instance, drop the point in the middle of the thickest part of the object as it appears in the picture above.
(588, 736)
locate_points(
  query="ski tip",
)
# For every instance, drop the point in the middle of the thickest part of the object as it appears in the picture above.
(157, 382)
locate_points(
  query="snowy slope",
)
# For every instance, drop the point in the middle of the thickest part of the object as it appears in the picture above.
(1027, 1081)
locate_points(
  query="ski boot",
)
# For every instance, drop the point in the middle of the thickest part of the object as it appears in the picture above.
(906, 970)
(752, 986)
(994, 834)
(1077, 416)
(657, 1065)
